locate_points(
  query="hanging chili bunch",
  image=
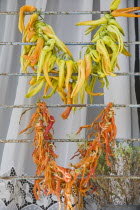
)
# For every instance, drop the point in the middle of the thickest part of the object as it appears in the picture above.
(108, 44)
(74, 182)
(57, 180)
(103, 129)
(53, 59)
(42, 123)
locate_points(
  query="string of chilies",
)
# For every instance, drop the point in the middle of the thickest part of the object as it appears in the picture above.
(100, 61)
(74, 182)
(49, 52)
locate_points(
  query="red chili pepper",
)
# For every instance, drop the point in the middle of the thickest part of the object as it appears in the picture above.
(48, 128)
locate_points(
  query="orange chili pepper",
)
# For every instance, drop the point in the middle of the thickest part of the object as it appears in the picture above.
(37, 189)
(66, 113)
(26, 8)
(125, 12)
(30, 35)
(88, 61)
(33, 68)
(93, 94)
(35, 55)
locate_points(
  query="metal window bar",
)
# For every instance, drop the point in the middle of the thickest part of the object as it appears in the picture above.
(62, 140)
(66, 43)
(62, 106)
(96, 177)
(74, 74)
(57, 12)
(71, 105)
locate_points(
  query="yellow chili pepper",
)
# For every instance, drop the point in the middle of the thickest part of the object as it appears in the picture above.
(91, 85)
(82, 94)
(62, 95)
(46, 88)
(33, 81)
(106, 64)
(114, 31)
(101, 81)
(35, 84)
(90, 29)
(74, 98)
(39, 85)
(31, 21)
(114, 47)
(52, 63)
(25, 63)
(55, 84)
(114, 5)
(50, 43)
(88, 90)
(69, 68)
(125, 52)
(25, 36)
(95, 55)
(41, 61)
(46, 69)
(61, 80)
(114, 22)
(102, 20)
(53, 77)
(43, 54)
(81, 77)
